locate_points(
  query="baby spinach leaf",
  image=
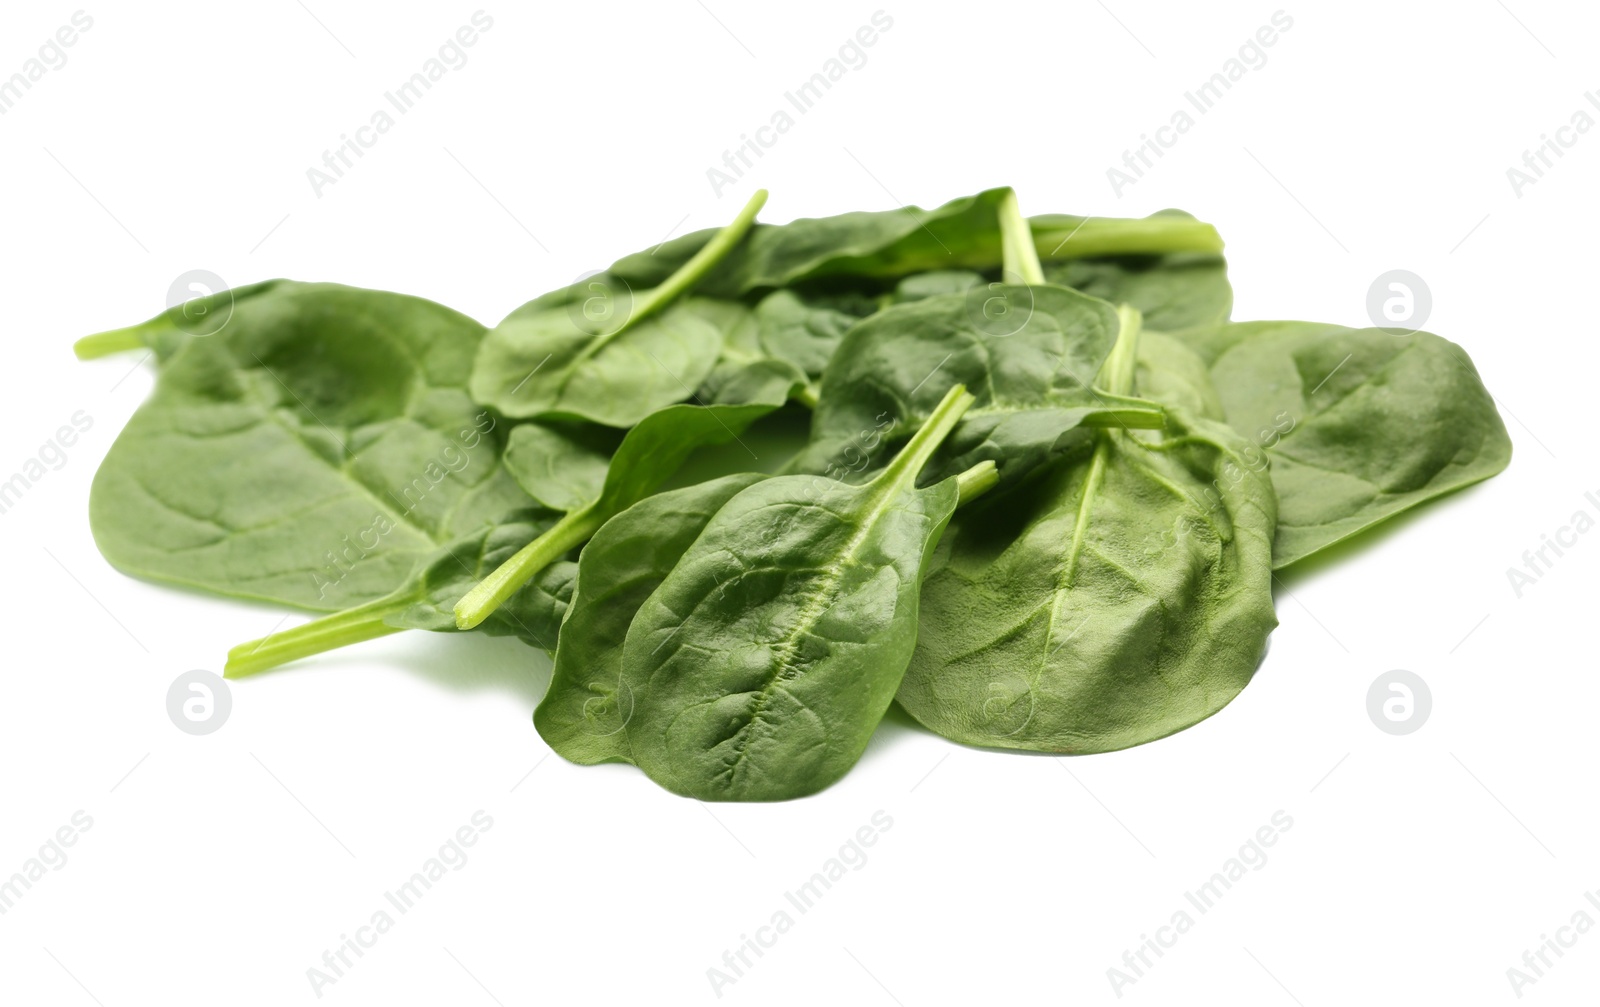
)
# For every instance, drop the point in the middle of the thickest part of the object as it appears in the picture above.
(561, 465)
(801, 333)
(761, 665)
(311, 453)
(787, 338)
(1173, 290)
(1030, 354)
(585, 713)
(1359, 424)
(1169, 371)
(649, 454)
(1111, 599)
(560, 357)
(887, 245)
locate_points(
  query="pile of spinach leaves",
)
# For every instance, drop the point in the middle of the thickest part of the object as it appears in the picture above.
(1044, 489)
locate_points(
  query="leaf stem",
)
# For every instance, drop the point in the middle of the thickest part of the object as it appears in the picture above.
(1060, 237)
(1019, 259)
(690, 273)
(355, 625)
(926, 441)
(103, 344)
(1118, 372)
(976, 481)
(490, 593)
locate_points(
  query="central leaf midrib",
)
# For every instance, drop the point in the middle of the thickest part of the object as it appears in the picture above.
(877, 505)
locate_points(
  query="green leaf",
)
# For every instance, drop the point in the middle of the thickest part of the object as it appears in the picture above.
(1112, 599)
(310, 453)
(585, 713)
(561, 465)
(600, 352)
(1170, 372)
(1172, 289)
(792, 329)
(763, 662)
(1029, 353)
(1359, 424)
(647, 456)
(540, 363)
(886, 245)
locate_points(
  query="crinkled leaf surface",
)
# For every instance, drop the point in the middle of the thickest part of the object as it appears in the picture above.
(1359, 424)
(561, 465)
(564, 360)
(1111, 600)
(1028, 353)
(761, 665)
(585, 714)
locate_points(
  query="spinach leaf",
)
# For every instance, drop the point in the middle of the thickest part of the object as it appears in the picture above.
(1169, 371)
(887, 245)
(613, 358)
(561, 465)
(802, 333)
(1173, 290)
(786, 339)
(1359, 424)
(585, 713)
(1029, 353)
(310, 453)
(649, 454)
(761, 665)
(1112, 599)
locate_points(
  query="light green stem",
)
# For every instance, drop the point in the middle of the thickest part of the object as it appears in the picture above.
(1058, 237)
(355, 625)
(926, 441)
(1117, 374)
(976, 481)
(1019, 259)
(690, 273)
(1130, 418)
(103, 344)
(492, 592)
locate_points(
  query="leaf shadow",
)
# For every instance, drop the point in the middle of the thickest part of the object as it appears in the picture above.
(459, 663)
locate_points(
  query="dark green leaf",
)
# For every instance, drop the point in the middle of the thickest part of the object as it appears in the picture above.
(1111, 600)
(1029, 353)
(886, 245)
(584, 714)
(1359, 424)
(310, 453)
(761, 665)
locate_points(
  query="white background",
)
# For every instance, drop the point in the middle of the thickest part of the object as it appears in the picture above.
(218, 869)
